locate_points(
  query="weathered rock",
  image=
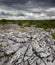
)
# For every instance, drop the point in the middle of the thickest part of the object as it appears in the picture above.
(33, 47)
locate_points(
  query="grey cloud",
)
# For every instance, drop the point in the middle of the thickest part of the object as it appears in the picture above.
(5, 14)
(27, 9)
(30, 14)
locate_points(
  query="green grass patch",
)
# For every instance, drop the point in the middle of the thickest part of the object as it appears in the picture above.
(28, 23)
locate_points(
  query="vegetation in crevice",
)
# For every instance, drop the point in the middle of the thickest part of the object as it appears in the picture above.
(53, 35)
(0, 45)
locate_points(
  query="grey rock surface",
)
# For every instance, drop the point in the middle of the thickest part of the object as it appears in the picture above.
(33, 47)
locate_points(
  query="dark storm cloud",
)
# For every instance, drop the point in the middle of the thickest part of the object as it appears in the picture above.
(40, 2)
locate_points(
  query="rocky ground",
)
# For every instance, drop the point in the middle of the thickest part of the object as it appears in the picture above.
(26, 46)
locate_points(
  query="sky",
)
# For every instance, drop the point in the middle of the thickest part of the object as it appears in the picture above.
(27, 9)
